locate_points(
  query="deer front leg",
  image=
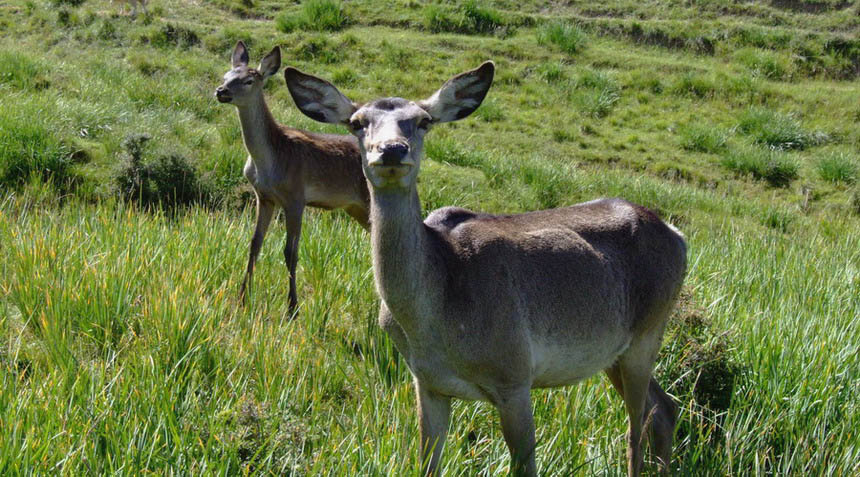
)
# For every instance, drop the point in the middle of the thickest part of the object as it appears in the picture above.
(515, 412)
(265, 210)
(434, 412)
(291, 249)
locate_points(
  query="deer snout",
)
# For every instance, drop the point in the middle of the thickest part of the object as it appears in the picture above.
(393, 153)
(222, 94)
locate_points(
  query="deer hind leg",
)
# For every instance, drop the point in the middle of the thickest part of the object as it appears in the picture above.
(646, 404)
(265, 210)
(291, 249)
(661, 414)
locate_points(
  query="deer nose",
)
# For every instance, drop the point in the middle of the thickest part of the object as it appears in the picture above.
(393, 153)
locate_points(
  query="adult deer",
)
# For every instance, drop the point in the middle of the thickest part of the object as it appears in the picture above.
(487, 307)
(288, 167)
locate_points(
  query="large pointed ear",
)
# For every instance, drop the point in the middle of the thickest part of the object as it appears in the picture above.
(461, 95)
(240, 55)
(271, 63)
(318, 98)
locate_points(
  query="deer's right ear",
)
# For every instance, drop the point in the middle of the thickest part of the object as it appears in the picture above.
(318, 98)
(240, 55)
(271, 63)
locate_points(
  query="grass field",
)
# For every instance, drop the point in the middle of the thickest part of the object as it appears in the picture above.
(123, 349)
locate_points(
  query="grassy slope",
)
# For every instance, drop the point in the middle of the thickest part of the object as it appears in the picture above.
(122, 347)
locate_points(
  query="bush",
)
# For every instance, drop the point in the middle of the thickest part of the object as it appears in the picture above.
(315, 15)
(695, 86)
(775, 167)
(568, 37)
(778, 131)
(468, 18)
(72, 3)
(595, 93)
(550, 72)
(702, 139)
(29, 148)
(23, 72)
(838, 168)
(764, 63)
(777, 219)
(169, 181)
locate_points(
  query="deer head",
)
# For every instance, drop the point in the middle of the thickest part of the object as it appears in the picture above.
(242, 82)
(391, 131)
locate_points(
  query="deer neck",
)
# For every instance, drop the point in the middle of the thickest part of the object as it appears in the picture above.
(258, 127)
(403, 262)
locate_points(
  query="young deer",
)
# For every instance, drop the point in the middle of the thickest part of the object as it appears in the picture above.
(287, 167)
(487, 307)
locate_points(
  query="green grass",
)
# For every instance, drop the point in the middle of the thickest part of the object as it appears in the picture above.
(775, 167)
(315, 15)
(703, 139)
(838, 168)
(122, 347)
(567, 37)
(778, 131)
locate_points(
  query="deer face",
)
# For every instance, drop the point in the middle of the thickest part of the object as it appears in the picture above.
(242, 83)
(390, 131)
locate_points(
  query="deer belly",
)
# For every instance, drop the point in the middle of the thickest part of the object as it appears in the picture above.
(437, 377)
(556, 365)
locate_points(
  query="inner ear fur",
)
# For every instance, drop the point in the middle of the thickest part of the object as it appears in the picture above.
(317, 98)
(461, 95)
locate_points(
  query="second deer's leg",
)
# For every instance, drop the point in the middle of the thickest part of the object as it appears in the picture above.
(293, 214)
(515, 412)
(265, 210)
(434, 413)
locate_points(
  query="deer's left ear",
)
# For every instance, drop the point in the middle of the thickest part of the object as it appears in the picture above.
(318, 98)
(461, 95)
(271, 63)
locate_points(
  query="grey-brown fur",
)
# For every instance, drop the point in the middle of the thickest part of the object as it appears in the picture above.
(287, 167)
(488, 307)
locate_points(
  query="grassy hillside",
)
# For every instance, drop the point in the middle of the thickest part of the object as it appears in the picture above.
(123, 350)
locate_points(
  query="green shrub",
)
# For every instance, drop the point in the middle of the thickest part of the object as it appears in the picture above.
(595, 93)
(72, 3)
(490, 111)
(702, 139)
(315, 15)
(764, 63)
(596, 103)
(778, 131)
(169, 181)
(568, 37)
(550, 72)
(482, 19)
(29, 148)
(318, 48)
(773, 166)
(694, 85)
(777, 219)
(468, 18)
(22, 72)
(838, 168)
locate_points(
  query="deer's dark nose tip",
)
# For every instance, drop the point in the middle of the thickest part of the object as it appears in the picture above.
(393, 153)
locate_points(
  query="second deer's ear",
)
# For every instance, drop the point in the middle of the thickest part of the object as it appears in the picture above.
(317, 98)
(240, 55)
(271, 63)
